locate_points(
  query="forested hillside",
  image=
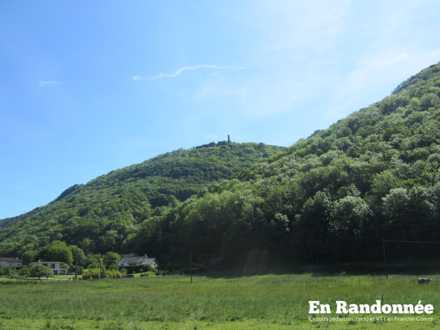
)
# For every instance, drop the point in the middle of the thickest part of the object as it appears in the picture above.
(104, 214)
(329, 198)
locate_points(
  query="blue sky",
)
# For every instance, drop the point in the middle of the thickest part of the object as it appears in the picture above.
(90, 86)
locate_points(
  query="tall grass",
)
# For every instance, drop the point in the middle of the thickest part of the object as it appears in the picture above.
(270, 299)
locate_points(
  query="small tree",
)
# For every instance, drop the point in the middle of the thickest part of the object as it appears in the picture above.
(91, 274)
(96, 261)
(28, 256)
(111, 260)
(58, 251)
(350, 214)
(24, 271)
(39, 270)
(79, 257)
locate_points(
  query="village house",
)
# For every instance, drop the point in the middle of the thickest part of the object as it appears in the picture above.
(132, 263)
(58, 267)
(6, 262)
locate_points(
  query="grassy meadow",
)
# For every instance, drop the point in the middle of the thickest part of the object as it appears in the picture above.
(172, 302)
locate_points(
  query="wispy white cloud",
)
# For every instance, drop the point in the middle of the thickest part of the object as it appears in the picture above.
(187, 68)
(137, 77)
(49, 83)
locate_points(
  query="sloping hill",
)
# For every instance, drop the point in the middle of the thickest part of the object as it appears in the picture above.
(331, 197)
(103, 214)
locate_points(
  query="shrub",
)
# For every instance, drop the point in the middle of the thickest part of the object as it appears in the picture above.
(38, 270)
(95, 274)
(111, 259)
(24, 271)
(95, 261)
(91, 274)
(6, 271)
(113, 273)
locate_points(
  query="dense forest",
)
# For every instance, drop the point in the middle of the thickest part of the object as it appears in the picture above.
(330, 198)
(106, 213)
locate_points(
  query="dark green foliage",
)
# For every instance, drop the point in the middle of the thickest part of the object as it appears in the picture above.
(38, 270)
(421, 77)
(331, 197)
(79, 257)
(10, 272)
(105, 214)
(95, 261)
(111, 259)
(24, 271)
(58, 251)
(29, 256)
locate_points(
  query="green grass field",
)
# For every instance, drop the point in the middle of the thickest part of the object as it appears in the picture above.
(171, 302)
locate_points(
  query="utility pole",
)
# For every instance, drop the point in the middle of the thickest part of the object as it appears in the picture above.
(101, 268)
(384, 257)
(191, 266)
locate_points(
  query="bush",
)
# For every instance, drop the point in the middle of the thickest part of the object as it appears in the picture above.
(113, 273)
(91, 274)
(38, 270)
(24, 271)
(95, 261)
(6, 271)
(111, 259)
(95, 274)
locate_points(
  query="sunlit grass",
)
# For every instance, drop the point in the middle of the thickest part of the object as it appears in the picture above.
(172, 302)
